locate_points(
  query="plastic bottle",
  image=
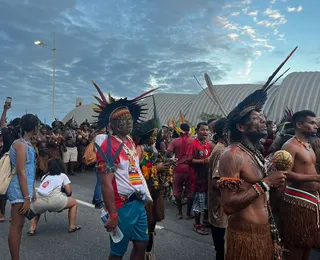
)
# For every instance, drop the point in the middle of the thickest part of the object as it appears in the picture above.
(118, 236)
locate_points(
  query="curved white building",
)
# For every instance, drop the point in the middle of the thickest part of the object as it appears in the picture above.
(298, 91)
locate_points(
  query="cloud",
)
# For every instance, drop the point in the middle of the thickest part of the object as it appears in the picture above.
(295, 9)
(246, 72)
(254, 13)
(233, 36)
(235, 13)
(123, 45)
(275, 14)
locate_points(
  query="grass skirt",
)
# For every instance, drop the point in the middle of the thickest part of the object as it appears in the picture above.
(247, 241)
(155, 211)
(298, 221)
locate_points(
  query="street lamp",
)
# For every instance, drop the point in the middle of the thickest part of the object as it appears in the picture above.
(53, 49)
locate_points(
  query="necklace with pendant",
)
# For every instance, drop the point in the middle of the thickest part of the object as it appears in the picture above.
(131, 152)
(306, 145)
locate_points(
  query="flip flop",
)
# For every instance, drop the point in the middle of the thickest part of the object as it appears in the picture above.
(199, 230)
(31, 233)
(76, 228)
(179, 216)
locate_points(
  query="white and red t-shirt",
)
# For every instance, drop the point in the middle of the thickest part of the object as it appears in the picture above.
(128, 176)
(51, 182)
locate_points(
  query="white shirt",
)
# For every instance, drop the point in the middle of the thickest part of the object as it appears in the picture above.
(52, 182)
(99, 139)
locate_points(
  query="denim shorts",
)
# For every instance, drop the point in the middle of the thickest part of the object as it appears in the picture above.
(14, 192)
(133, 224)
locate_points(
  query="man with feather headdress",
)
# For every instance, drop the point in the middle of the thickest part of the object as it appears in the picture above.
(244, 182)
(124, 188)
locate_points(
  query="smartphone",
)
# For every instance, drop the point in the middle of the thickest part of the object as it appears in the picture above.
(30, 215)
(8, 100)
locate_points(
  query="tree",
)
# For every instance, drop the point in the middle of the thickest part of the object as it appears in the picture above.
(206, 116)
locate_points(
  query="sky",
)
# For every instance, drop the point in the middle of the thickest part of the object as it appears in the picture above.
(130, 46)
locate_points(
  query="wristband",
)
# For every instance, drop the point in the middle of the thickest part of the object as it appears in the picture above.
(114, 215)
(265, 185)
(258, 189)
(27, 197)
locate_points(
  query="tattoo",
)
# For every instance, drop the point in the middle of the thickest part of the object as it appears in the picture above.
(238, 160)
(247, 198)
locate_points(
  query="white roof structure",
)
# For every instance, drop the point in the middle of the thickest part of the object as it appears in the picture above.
(298, 91)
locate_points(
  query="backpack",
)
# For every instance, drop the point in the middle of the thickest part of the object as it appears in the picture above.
(5, 173)
(89, 156)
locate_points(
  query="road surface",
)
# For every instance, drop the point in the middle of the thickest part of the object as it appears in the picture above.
(175, 239)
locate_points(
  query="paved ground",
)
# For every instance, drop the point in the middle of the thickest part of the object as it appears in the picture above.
(175, 240)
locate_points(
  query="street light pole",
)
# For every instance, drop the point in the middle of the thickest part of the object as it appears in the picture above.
(53, 49)
(53, 73)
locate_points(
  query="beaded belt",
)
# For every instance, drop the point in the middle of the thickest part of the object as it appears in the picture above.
(303, 199)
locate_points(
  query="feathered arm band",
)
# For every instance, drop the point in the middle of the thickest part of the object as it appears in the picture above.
(231, 183)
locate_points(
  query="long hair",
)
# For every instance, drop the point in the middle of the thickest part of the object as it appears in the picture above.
(29, 122)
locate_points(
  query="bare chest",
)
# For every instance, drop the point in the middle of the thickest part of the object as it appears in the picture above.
(252, 170)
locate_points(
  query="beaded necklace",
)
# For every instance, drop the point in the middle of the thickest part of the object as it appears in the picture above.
(306, 145)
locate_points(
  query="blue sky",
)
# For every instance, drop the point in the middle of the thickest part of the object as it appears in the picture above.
(127, 46)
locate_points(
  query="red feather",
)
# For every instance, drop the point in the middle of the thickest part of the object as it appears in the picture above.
(99, 100)
(100, 92)
(144, 94)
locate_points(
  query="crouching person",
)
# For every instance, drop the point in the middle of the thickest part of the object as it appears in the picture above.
(54, 196)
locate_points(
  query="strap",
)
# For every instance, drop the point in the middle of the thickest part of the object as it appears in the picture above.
(107, 157)
(44, 176)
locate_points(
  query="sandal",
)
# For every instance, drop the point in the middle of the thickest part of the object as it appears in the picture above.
(31, 233)
(199, 230)
(76, 228)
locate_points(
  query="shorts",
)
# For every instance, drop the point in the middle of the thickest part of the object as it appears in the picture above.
(200, 201)
(71, 155)
(14, 193)
(55, 202)
(133, 224)
(180, 180)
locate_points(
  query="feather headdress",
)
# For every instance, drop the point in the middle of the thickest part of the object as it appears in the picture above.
(288, 114)
(256, 100)
(146, 129)
(106, 107)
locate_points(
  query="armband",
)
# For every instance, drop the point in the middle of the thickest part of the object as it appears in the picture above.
(231, 183)
(261, 187)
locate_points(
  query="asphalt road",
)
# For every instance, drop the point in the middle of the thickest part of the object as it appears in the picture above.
(175, 239)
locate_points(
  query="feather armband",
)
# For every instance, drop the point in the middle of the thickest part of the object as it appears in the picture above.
(231, 183)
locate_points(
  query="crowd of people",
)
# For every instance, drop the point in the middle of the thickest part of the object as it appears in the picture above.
(225, 170)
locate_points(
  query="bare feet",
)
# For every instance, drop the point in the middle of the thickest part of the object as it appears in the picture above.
(179, 216)
(2, 219)
(188, 217)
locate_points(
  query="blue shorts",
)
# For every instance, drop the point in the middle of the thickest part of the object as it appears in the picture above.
(14, 192)
(133, 224)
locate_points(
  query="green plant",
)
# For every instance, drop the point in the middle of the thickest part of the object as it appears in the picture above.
(206, 116)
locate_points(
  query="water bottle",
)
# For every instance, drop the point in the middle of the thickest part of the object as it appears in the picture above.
(118, 236)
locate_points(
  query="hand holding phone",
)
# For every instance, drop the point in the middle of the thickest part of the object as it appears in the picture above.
(8, 101)
(29, 214)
